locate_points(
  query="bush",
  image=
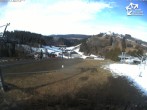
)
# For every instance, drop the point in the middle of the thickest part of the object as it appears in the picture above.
(113, 54)
(136, 53)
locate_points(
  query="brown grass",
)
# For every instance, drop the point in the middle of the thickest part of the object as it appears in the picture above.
(80, 85)
(62, 80)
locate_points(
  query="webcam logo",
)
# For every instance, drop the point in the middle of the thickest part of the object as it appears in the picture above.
(133, 10)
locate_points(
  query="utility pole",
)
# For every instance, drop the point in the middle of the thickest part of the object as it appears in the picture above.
(5, 29)
(63, 47)
(2, 87)
(123, 57)
(1, 80)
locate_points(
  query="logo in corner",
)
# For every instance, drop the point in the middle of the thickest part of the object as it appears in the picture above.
(133, 10)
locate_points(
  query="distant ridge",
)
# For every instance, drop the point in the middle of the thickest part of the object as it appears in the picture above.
(70, 36)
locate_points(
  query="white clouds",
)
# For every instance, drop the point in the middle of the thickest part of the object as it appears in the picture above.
(64, 17)
(60, 17)
(135, 31)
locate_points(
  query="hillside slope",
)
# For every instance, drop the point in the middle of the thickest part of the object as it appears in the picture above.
(111, 45)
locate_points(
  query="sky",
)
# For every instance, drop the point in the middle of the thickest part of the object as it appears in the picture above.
(90, 17)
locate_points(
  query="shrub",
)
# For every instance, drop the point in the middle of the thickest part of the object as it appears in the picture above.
(113, 54)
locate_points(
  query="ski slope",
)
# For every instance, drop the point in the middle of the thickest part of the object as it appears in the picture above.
(77, 50)
(58, 51)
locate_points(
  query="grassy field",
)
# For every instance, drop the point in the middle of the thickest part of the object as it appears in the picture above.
(80, 85)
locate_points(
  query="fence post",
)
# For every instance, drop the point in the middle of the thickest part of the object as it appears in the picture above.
(1, 80)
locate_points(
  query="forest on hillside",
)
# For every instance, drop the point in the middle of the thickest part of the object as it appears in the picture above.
(33, 39)
(12, 39)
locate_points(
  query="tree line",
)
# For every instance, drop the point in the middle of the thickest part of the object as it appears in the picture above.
(13, 38)
(24, 37)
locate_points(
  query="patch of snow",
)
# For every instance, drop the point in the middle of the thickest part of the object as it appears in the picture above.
(70, 48)
(144, 45)
(58, 51)
(129, 61)
(130, 40)
(135, 73)
(52, 49)
(97, 58)
(77, 50)
(93, 55)
(80, 53)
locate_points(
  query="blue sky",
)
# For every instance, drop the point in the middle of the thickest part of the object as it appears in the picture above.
(74, 17)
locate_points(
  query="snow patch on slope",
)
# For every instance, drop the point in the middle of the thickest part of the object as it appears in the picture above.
(135, 73)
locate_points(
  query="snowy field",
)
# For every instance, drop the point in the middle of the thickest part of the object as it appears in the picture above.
(135, 73)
